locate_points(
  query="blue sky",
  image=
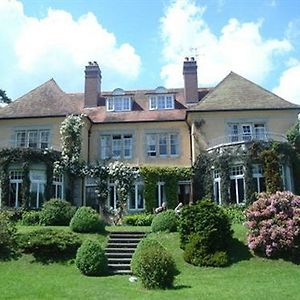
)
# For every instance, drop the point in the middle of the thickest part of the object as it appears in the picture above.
(142, 43)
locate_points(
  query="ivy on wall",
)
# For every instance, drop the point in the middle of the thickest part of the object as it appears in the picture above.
(170, 176)
(269, 154)
(25, 157)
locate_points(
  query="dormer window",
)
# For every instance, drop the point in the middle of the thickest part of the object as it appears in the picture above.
(118, 101)
(161, 100)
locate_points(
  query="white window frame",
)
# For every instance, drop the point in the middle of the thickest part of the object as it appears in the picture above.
(246, 135)
(217, 183)
(109, 145)
(118, 103)
(26, 138)
(137, 184)
(235, 177)
(115, 194)
(161, 195)
(257, 173)
(39, 182)
(58, 181)
(161, 102)
(16, 176)
(154, 144)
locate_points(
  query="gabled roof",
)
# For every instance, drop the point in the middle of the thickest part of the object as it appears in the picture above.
(236, 93)
(47, 100)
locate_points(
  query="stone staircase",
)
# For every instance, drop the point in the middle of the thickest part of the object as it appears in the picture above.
(120, 248)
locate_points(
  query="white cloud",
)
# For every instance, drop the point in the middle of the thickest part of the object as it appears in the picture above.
(239, 47)
(289, 87)
(57, 45)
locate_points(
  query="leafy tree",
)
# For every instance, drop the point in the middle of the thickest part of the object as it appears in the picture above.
(3, 97)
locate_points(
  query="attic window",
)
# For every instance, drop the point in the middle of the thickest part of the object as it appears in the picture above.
(161, 99)
(118, 101)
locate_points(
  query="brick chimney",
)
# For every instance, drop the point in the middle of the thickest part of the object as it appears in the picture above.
(190, 80)
(92, 87)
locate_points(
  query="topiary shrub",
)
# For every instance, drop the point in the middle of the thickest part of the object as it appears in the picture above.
(8, 245)
(165, 221)
(91, 259)
(153, 264)
(203, 217)
(274, 224)
(87, 220)
(30, 218)
(48, 245)
(205, 234)
(57, 212)
(14, 213)
(198, 252)
(141, 219)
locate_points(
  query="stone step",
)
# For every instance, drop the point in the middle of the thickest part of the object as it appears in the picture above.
(119, 266)
(118, 255)
(119, 260)
(124, 236)
(122, 245)
(127, 232)
(118, 250)
(121, 272)
(125, 241)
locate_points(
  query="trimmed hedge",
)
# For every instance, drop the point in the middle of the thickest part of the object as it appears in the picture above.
(57, 212)
(30, 218)
(141, 219)
(91, 259)
(50, 245)
(87, 220)
(154, 265)
(165, 221)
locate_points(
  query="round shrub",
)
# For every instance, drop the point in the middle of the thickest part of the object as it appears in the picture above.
(165, 221)
(8, 245)
(153, 264)
(30, 218)
(274, 224)
(197, 252)
(91, 259)
(205, 218)
(87, 220)
(50, 245)
(56, 212)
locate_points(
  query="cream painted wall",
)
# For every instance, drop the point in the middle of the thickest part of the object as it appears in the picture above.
(8, 127)
(210, 126)
(139, 131)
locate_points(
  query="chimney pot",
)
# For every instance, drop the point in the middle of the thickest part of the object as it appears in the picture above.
(190, 80)
(92, 87)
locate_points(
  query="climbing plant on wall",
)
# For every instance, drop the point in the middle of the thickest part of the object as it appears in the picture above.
(25, 157)
(170, 176)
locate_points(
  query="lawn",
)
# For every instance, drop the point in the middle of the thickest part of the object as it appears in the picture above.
(248, 277)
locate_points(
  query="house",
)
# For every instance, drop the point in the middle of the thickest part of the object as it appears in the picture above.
(161, 127)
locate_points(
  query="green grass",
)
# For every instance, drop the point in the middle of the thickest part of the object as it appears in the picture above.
(248, 277)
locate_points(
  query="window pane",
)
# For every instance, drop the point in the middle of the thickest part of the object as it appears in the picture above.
(44, 137)
(132, 199)
(20, 139)
(260, 131)
(240, 183)
(234, 132)
(127, 146)
(32, 139)
(116, 146)
(151, 145)
(118, 103)
(105, 147)
(169, 102)
(247, 134)
(126, 103)
(140, 196)
(162, 144)
(174, 144)
(91, 196)
(153, 102)
(232, 191)
(161, 102)
(110, 104)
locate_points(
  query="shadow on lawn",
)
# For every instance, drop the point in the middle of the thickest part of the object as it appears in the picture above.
(181, 287)
(238, 251)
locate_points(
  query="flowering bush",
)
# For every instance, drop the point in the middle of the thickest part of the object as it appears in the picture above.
(274, 224)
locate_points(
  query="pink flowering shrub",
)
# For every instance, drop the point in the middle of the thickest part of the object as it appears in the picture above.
(274, 224)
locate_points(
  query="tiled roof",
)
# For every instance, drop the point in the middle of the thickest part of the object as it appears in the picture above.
(49, 100)
(46, 100)
(235, 92)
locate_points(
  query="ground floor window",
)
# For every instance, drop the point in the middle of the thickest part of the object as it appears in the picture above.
(57, 187)
(184, 192)
(237, 184)
(217, 186)
(37, 188)
(112, 195)
(160, 194)
(258, 178)
(90, 192)
(285, 174)
(15, 188)
(136, 198)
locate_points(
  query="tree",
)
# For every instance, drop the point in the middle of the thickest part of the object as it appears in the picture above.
(3, 97)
